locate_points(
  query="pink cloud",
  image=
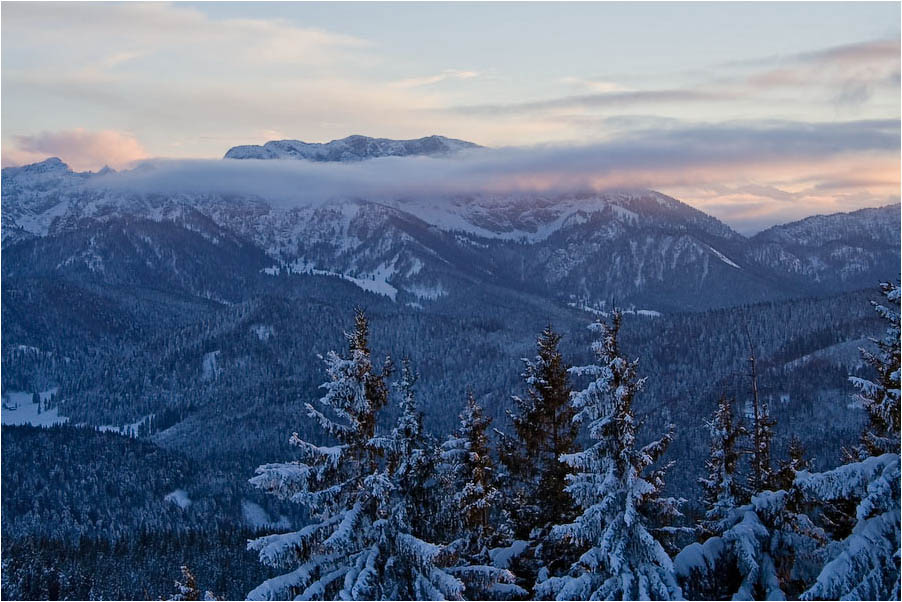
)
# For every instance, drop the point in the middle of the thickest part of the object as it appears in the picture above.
(79, 148)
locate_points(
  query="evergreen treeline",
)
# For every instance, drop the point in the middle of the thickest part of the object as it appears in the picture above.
(147, 366)
(576, 508)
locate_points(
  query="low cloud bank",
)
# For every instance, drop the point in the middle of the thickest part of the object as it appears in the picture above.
(644, 159)
(767, 158)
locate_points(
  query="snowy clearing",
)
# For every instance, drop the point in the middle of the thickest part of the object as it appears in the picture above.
(179, 497)
(255, 516)
(19, 409)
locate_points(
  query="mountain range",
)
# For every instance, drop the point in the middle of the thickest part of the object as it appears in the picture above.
(632, 247)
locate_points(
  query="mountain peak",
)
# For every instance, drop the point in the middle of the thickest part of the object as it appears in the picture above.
(51, 165)
(353, 148)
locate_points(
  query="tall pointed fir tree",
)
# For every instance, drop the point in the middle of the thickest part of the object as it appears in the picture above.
(536, 494)
(761, 476)
(359, 544)
(609, 482)
(722, 489)
(880, 396)
(473, 500)
(413, 462)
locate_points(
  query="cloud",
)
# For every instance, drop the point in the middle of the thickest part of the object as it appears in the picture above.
(862, 52)
(447, 74)
(847, 75)
(152, 27)
(870, 50)
(80, 148)
(782, 169)
(596, 101)
(598, 86)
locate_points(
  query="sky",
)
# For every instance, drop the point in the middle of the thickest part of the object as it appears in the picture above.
(754, 112)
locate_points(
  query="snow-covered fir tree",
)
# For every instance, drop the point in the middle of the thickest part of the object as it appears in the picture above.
(761, 474)
(865, 564)
(796, 541)
(413, 457)
(880, 396)
(473, 499)
(616, 495)
(722, 489)
(414, 568)
(359, 544)
(470, 477)
(768, 550)
(535, 483)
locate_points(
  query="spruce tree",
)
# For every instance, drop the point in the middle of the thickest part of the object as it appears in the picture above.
(473, 501)
(413, 568)
(412, 461)
(722, 490)
(359, 544)
(880, 396)
(618, 499)
(761, 476)
(536, 492)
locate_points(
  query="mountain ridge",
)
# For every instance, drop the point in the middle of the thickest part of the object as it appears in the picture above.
(643, 247)
(351, 148)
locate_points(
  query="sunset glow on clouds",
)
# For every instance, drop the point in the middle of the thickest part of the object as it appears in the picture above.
(83, 150)
(753, 113)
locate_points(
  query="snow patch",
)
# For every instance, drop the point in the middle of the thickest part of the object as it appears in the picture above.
(263, 331)
(129, 430)
(255, 516)
(723, 258)
(179, 497)
(19, 409)
(374, 282)
(430, 293)
(501, 557)
(210, 366)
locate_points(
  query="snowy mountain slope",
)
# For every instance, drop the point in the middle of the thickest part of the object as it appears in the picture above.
(632, 246)
(352, 148)
(844, 247)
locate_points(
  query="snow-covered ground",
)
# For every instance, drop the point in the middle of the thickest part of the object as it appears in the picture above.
(19, 409)
(129, 430)
(724, 258)
(430, 293)
(210, 366)
(262, 331)
(255, 516)
(645, 313)
(375, 282)
(179, 497)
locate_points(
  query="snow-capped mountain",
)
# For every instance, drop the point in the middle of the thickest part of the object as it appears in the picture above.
(583, 249)
(352, 148)
(844, 246)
